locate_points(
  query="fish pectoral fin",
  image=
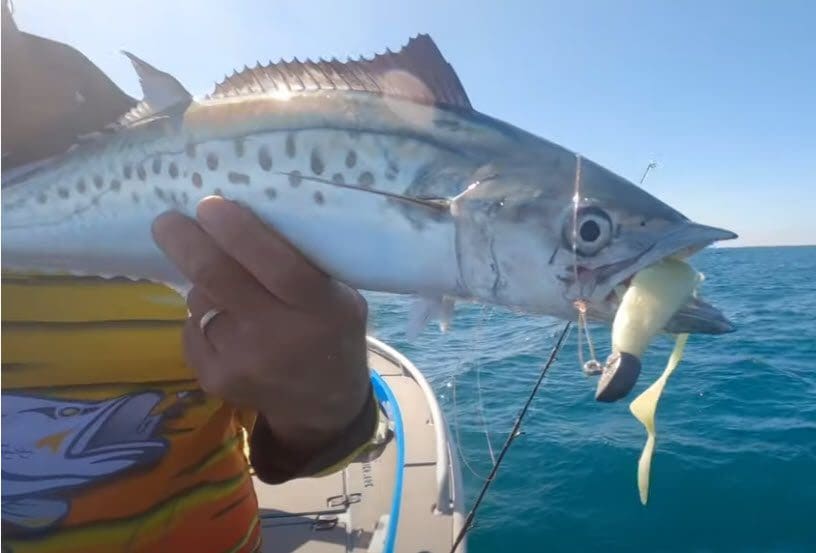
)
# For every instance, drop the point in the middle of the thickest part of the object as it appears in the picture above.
(161, 91)
(424, 310)
(34, 513)
(446, 313)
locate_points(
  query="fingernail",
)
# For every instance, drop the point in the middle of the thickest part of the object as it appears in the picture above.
(212, 209)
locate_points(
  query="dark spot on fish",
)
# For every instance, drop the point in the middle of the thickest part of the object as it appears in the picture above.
(552, 257)
(173, 198)
(190, 150)
(156, 166)
(264, 159)
(81, 186)
(366, 179)
(242, 203)
(217, 192)
(197, 181)
(447, 124)
(392, 171)
(239, 147)
(62, 192)
(212, 161)
(160, 193)
(643, 223)
(172, 170)
(290, 145)
(295, 178)
(135, 197)
(351, 159)
(338, 178)
(317, 162)
(98, 182)
(127, 170)
(140, 171)
(271, 193)
(184, 198)
(116, 184)
(318, 198)
(494, 208)
(238, 178)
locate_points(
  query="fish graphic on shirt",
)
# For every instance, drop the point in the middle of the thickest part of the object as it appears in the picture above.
(53, 446)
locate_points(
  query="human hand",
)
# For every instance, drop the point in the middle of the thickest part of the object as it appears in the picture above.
(289, 341)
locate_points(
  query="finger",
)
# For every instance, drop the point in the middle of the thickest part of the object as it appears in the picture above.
(278, 266)
(209, 268)
(201, 357)
(198, 303)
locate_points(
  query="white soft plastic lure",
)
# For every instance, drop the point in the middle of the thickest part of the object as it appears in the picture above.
(655, 294)
(644, 407)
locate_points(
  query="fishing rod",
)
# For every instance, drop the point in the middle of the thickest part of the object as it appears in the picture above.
(652, 165)
(515, 432)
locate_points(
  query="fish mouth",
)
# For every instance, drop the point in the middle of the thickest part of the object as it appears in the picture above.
(124, 430)
(696, 316)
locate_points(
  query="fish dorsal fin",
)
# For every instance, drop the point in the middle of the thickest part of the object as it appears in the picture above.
(418, 72)
(161, 92)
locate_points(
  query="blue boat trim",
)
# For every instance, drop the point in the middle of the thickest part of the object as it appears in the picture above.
(385, 395)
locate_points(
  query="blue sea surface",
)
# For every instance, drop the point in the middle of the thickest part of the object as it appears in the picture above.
(735, 464)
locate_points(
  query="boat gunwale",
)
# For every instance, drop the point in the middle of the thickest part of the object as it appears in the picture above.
(449, 500)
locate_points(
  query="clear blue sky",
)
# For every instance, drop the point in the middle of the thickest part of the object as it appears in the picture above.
(721, 93)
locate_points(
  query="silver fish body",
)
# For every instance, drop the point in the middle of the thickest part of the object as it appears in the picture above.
(334, 175)
(383, 192)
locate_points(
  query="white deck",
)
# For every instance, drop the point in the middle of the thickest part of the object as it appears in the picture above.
(349, 511)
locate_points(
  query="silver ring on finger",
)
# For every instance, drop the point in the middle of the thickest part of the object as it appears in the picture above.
(207, 318)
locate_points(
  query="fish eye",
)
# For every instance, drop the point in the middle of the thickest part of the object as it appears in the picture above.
(594, 230)
(590, 231)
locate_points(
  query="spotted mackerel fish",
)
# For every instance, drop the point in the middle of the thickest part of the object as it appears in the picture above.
(379, 170)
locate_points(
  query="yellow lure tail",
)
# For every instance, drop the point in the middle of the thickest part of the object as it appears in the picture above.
(644, 407)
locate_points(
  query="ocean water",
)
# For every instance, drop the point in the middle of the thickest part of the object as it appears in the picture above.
(735, 465)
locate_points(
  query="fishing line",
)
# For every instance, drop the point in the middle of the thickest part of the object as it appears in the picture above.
(515, 432)
(479, 403)
(593, 366)
(485, 315)
(480, 408)
(458, 439)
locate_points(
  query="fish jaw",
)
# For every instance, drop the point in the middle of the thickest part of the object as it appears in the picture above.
(682, 240)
